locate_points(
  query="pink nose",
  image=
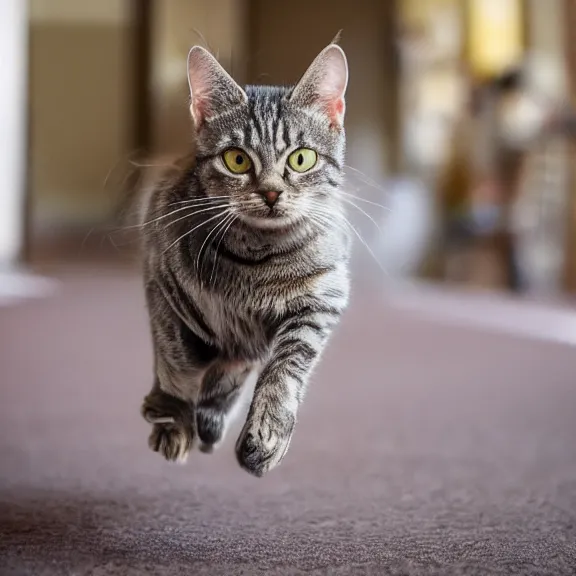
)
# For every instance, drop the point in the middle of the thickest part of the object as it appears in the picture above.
(270, 197)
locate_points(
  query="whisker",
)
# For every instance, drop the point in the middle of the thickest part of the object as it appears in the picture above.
(364, 200)
(351, 203)
(117, 164)
(83, 244)
(188, 232)
(322, 209)
(359, 236)
(329, 220)
(196, 200)
(234, 218)
(214, 229)
(116, 243)
(111, 241)
(366, 179)
(191, 214)
(140, 226)
(143, 165)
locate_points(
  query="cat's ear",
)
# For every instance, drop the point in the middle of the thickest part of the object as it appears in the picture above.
(324, 84)
(212, 89)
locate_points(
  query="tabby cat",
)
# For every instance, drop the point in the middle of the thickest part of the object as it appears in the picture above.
(246, 259)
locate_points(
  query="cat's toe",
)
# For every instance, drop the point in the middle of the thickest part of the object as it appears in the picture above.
(173, 424)
(154, 415)
(173, 441)
(210, 426)
(259, 449)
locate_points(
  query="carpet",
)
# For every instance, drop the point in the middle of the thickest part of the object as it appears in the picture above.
(422, 448)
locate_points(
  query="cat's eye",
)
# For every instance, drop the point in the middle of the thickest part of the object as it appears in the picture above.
(302, 160)
(237, 161)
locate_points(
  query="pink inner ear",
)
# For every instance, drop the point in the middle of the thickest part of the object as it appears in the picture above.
(339, 107)
(211, 87)
(335, 110)
(331, 88)
(199, 109)
(200, 93)
(324, 84)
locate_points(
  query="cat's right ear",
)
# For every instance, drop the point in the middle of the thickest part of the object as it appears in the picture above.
(212, 89)
(324, 84)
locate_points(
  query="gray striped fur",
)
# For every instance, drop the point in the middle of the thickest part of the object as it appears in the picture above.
(233, 285)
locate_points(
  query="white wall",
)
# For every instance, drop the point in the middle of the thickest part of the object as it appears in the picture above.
(13, 77)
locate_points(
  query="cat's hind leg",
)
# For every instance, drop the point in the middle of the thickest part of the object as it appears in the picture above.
(221, 389)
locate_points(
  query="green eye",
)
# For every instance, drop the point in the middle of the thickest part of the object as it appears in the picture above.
(237, 161)
(302, 160)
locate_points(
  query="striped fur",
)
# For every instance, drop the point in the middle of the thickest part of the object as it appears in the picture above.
(233, 285)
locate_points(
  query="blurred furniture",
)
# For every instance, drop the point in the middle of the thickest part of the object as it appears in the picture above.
(431, 86)
(500, 21)
(502, 190)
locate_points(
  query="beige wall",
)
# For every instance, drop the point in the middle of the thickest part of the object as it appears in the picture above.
(81, 90)
(545, 23)
(80, 121)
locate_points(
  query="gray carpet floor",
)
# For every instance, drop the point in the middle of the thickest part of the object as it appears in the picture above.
(421, 449)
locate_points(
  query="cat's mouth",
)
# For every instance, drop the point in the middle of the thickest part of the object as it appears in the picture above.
(269, 218)
(274, 213)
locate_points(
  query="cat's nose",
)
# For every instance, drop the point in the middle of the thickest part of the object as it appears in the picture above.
(270, 197)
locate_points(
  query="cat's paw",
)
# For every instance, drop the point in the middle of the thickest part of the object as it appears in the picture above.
(173, 440)
(173, 425)
(264, 442)
(210, 426)
(155, 415)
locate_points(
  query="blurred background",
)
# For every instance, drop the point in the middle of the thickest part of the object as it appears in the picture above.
(465, 143)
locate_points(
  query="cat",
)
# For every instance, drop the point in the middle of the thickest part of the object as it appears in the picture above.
(246, 259)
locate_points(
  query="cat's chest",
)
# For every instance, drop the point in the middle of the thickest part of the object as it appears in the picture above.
(241, 331)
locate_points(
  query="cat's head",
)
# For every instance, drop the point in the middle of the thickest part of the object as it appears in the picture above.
(275, 155)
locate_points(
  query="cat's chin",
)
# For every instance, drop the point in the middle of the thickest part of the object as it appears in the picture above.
(269, 223)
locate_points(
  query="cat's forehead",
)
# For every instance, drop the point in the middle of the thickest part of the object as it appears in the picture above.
(268, 102)
(267, 95)
(273, 119)
(270, 125)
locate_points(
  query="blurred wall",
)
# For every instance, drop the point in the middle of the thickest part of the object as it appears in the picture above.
(80, 115)
(545, 27)
(177, 25)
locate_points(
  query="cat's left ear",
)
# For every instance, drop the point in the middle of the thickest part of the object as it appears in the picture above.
(324, 84)
(212, 89)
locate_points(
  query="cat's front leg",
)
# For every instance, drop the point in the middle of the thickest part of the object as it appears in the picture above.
(182, 358)
(266, 435)
(173, 424)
